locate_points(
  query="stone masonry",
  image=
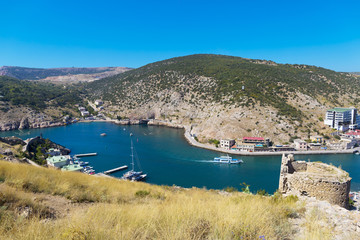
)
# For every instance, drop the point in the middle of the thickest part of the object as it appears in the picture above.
(314, 179)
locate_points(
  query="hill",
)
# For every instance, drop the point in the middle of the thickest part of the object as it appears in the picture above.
(224, 96)
(62, 75)
(78, 206)
(26, 103)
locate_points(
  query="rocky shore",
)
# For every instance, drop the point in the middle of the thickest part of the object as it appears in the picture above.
(24, 118)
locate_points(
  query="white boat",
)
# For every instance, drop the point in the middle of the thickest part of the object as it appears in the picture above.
(132, 175)
(103, 134)
(227, 159)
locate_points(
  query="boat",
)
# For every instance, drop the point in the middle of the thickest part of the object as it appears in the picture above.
(81, 163)
(227, 159)
(133, 175)
(357, 153)
(103, 134)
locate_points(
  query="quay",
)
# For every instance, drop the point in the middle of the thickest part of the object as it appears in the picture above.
(116, 169)
(85, 155)
(193, 142)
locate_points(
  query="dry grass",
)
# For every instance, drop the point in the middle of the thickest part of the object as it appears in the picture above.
(316, 226)
(128, 210)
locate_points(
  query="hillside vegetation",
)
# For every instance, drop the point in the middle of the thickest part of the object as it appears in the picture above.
(38, 203)
(36, 95)
(196, 88)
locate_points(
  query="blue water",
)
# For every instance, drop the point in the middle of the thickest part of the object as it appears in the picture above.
(168, 159)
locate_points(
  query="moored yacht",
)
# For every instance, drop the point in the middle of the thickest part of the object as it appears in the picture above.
(132, 175)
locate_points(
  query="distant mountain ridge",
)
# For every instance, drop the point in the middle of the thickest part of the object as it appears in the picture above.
(54, 74)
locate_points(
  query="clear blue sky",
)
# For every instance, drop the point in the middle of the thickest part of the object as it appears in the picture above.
(133, 33)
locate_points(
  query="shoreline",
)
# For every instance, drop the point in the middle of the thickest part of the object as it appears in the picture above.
(194, 143)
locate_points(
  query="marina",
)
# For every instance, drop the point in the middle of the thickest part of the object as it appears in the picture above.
(169, 160)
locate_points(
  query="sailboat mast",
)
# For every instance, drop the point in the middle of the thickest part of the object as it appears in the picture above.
(132, 152)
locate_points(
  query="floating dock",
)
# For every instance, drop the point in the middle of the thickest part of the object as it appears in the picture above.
(116, 169)
(85, 155)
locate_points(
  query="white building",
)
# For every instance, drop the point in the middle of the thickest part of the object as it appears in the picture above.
(99, 102)
(300, 145)
(227, 143)
(341, 119)
(247, 147)
(85, 113)
(57, 161)
(81, 109)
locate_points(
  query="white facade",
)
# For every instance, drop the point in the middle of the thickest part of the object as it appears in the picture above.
(227, 143)
(300, 145)
(84, 113)
(247, 147)
(99, 102)
(341, 119)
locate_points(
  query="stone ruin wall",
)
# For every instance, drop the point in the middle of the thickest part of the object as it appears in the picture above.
(306, 178)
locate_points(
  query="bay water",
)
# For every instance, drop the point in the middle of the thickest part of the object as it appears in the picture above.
(167, 158)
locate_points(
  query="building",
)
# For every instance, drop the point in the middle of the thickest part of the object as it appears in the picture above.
(54, 152)
(57, 161)
(72, 168)
(227, 143)
(85, 113)
(81, 109)
(256, 140)
(300, 145)
(317, 139)
(244, 147)
(99, 102)
(354, 134)
(341, 119)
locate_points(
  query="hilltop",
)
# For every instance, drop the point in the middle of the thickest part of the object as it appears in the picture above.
(228, 97)
(61, 75)
(78, 206)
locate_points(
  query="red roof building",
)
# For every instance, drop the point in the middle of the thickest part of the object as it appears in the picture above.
(253, 139)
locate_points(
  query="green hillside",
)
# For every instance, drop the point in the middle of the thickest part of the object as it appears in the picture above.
(233, 81)
(36, 95)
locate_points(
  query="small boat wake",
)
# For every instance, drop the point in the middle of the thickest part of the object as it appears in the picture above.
(203, 161)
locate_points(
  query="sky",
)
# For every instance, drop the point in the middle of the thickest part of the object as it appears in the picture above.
(134, 33)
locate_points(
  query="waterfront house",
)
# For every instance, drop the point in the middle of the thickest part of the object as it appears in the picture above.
(354, 134)
(57, 161)
(300, 145)
(227, 143)
(245, 147)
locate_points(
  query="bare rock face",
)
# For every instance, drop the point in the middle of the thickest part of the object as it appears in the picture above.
(23, 118)
(24, 124)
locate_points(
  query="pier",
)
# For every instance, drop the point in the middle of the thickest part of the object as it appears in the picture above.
(116, 169)
(85, 155)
